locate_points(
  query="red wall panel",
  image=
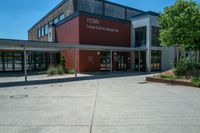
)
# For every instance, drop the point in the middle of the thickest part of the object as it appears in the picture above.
(68, 33)
(100, 31)
(89, 61)
(91, 30)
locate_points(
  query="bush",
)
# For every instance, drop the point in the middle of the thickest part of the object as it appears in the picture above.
(60, 70)
(56, 70)
(72, 71)
(51, 71)
(184, 66)
(166, 76)
(196, 81)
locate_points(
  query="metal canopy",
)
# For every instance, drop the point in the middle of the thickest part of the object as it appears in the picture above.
(7, 44)
(25, 45)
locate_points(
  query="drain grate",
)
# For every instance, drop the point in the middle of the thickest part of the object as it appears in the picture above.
(19, 96)
(30, 88)
(143, 82)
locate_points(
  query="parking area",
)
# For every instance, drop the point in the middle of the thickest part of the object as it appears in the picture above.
(112, 103)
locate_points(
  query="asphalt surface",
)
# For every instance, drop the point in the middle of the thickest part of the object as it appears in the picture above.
(108, 104)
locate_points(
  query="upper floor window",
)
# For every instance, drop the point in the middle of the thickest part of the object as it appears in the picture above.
(114, 11)
(55, 21)
(131, 13)
(61, 17)
(92, 6)
(42, 32)
(155, 36)
(140, 36)
(46, 29)
(69, 7)
(39, 33)
(50, 23)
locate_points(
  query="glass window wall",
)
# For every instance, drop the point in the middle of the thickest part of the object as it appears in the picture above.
(17, 61)
(131, 13)
(114, 11)
(156, 60)
(91, 6)
(140, 36)
(155, 36)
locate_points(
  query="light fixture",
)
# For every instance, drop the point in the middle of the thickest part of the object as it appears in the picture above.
(115, 53)
(98, 53)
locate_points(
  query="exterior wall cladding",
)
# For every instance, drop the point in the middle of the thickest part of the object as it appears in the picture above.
(85, 29)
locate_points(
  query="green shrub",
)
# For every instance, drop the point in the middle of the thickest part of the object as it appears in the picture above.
(60, 70)
(56, 70)
(196, 81)
(51, 71)
(166, 76)
(72, 71)
(184, 66)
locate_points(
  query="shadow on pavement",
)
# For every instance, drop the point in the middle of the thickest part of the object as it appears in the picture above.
(72, 79)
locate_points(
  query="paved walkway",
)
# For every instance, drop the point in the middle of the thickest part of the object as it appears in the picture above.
(105, 104)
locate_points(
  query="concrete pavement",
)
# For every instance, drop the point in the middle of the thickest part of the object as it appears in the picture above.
(102, 105)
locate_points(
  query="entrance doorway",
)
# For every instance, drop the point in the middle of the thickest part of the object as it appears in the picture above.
(105, 61)
(140, 61)
(120, 61)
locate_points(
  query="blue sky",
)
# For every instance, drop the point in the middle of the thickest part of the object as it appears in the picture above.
(17, 16)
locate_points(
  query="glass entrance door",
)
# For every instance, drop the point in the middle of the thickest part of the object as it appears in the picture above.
(140, 61)
(105, 61)
(121, 62)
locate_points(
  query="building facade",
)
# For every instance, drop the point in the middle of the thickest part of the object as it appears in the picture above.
(99, 23)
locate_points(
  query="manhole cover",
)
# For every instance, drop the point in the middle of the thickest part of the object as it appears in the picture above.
(56, 85)
(30, 88)
(143, 82)
(20, 96)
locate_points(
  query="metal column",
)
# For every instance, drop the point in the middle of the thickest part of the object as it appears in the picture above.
(111, 61)
(139, 69)
(75, 63)
(25, 64)
(51, 59)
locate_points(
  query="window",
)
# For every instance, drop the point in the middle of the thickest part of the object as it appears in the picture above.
(92, 6)
(42, 31)
(50, 23)
(39, 33)
(17, 61)
(69, 7)
(46, 29)
(140, 36)
(55, 21)
(155, 36)
(114, 11)
(131, 13)
(155, 60)
(61, 17)
(8, 61)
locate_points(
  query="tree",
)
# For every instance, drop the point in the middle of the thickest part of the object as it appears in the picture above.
(180, 25)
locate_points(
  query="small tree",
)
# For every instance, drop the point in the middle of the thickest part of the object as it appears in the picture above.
(180, 25)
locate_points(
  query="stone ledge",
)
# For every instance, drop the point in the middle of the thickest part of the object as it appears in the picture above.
(168, 81)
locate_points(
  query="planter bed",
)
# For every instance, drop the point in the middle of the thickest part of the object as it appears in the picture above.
(169, 81)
